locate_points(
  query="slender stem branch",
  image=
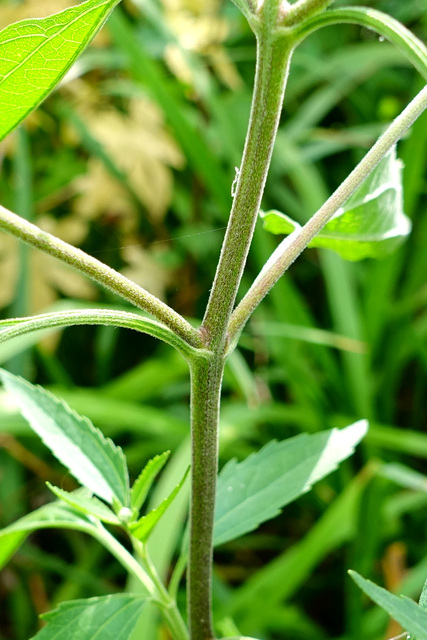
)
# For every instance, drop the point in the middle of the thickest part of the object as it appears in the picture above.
(165, 601)
(292, 246)
(177, 575)
(304, 9)
(125, 558)
(273, 57)
(15, 327)
(146, 574)
(411, 46)
(206, 378)
(99, 272)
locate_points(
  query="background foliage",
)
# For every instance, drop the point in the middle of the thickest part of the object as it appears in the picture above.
(132, 159)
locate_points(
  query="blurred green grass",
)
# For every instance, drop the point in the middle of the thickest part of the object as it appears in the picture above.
(332, 343)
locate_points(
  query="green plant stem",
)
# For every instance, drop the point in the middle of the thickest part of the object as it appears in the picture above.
(273, 57)
(15, 327)
(164, 600)
(99, 272)
(304, 9)
(125, 558)
(147, 576)
(291, 247)
(177, 575)
(411, 46)
(206, 379)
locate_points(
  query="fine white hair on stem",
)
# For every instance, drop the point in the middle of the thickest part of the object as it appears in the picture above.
(235, 181)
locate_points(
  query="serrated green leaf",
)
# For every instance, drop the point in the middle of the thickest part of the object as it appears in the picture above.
(54, 515)
(106, 618)
(36, 53)
(371, 224)
(404, 610)
(255, 490)
(86, 504)
(143, 483)
(91, 458)
(143, 528)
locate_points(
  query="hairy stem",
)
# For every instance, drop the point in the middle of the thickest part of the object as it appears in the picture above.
(15, 327)
(304, 9)
(206, 378)
(411, 46)
(99, 272)
(291, 247)
(273, 57)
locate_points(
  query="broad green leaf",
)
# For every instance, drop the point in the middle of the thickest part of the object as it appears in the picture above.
(253, 491)
(371, 224)
(91, 458)
(145, 525)
(405, 611)
(54, 515)
(106, 618)
(86, 504)
(143, 483)
(36, 53)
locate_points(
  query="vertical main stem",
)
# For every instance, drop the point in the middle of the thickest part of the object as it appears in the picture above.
(206, 379)
(273, 57)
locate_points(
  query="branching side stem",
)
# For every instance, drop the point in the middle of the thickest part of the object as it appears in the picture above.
(15, 327)
(98, 271)
(291, 247)
(411, 46)
(163, 598)
(304, 9)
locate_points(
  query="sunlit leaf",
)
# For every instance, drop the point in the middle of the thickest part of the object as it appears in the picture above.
(371, 224)
(255, 490)
(36, 53)
(405, 611)
(108, 618)
(92, 459)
